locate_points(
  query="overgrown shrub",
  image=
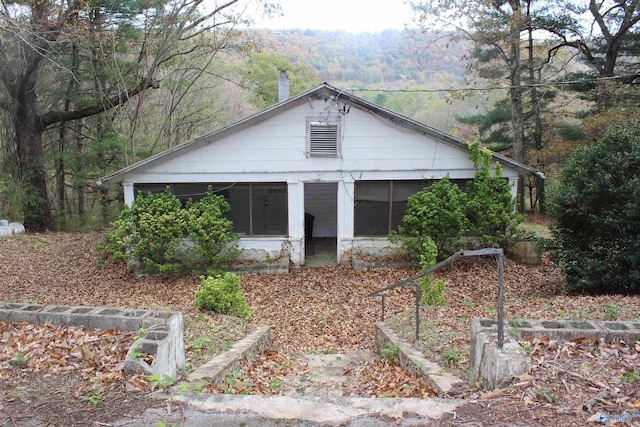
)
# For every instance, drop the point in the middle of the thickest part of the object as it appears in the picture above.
(435, 214)
(597, 208)
(210, 231)
(453, 220)
(151, 233)
(148, 232)
(222, 294)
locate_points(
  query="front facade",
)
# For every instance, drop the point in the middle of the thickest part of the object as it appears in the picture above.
(324, 164)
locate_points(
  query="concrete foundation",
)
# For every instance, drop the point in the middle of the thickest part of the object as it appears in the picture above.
(525, 252)
(161, 333)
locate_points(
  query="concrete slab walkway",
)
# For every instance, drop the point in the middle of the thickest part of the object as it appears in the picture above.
(313, 399)
(233, 410)
(316, 398)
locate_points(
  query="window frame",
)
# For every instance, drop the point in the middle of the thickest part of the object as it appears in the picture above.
(224, 189)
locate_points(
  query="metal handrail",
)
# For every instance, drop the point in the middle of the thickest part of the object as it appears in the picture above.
(498, 252)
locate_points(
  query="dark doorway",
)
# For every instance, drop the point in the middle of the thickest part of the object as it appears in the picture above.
(321, 222)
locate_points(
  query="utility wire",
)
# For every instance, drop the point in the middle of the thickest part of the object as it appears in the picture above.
(502, 87)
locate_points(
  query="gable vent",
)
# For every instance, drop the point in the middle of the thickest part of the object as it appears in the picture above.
(323, 139)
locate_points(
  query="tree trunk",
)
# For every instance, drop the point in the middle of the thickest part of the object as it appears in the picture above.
(35, 199)
(60, 169)
(535, 102)
(515, 93)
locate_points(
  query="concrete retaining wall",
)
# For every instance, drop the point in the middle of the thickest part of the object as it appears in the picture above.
(161, 333)
(492, 367)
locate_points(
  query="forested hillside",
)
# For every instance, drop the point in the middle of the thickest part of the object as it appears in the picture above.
(409, 72)
(390, 58)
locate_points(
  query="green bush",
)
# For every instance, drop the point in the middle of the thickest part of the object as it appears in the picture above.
(453, 220)
(151, 233)
(210, 231)
(222, 294)
(435, 214)
(597, 208)
(148, 232)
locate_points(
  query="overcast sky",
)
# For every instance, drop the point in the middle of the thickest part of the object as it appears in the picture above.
(354, 16)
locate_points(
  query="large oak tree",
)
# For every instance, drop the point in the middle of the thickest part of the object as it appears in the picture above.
(64, 60)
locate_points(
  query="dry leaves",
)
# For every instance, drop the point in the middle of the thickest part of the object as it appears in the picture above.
(327, 310)
(385, 378)
(85, 366)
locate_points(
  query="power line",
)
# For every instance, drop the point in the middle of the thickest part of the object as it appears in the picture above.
(502, 87)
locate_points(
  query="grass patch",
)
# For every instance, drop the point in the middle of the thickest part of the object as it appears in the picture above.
(207, 335)
(539, 230)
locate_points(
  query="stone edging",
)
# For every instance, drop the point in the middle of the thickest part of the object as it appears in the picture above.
(216, 369)
(412, 360)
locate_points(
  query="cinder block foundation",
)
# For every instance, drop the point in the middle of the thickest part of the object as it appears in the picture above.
(492, 367)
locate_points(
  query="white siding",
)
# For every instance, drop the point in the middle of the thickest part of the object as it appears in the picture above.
(273, 150)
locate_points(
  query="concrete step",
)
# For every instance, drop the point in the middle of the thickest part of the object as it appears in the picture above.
(329, 375)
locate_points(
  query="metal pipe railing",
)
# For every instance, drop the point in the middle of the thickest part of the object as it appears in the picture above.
(497, 252)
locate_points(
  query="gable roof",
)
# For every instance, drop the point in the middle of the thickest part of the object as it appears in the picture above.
(324, 91)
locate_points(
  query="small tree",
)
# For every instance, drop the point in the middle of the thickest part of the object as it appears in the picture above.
(597, 207)
(435, 214)
(490, 207)
(431, 290)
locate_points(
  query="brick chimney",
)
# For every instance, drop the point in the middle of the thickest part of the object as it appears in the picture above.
(283, 86)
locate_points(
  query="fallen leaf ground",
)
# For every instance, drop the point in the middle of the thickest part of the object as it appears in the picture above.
(321, 310)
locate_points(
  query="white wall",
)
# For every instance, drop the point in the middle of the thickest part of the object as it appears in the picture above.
(274, 151)
(372, 148)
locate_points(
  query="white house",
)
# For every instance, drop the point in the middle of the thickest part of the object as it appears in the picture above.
(345, 162)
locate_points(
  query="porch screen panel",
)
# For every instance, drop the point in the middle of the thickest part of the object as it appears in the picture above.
(401, 191)
(269, 209)
(238, 197)
(380, 205)
(194, 191)
(372, 208)
(255, 209)
(144, 189)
